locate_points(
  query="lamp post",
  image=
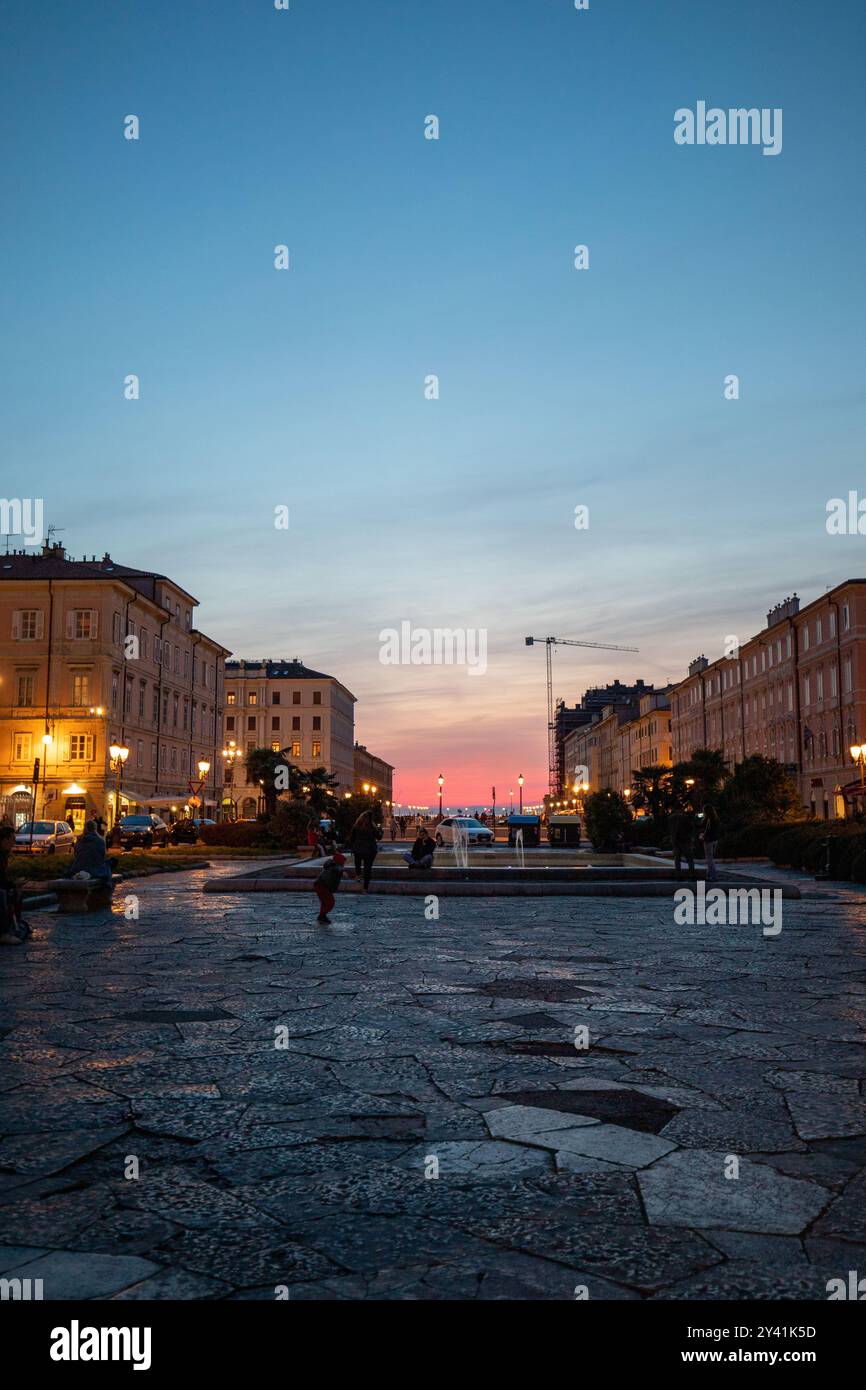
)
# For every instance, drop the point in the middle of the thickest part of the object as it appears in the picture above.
(520, 785)
(858, 753)
(118, 753)
(230, 753)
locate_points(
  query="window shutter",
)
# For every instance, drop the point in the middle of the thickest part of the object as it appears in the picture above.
(94, 622)
(40, 623)
(89, 748)
(70, 623)
(16, 624)
(65, 748)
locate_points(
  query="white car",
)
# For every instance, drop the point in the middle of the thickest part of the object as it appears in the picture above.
(467, 826)
(48, 836)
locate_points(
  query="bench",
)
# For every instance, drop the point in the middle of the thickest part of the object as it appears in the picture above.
(83, 894)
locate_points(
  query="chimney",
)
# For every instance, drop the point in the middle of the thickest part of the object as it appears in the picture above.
(700, 663)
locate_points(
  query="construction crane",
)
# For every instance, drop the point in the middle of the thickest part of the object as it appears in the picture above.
(550, 643)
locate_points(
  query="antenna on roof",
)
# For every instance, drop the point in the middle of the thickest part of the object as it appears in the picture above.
(54, 531)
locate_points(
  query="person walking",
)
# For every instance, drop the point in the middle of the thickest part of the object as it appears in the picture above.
(364, 844)
(393, 829)
(326, 885)
(709, 834)
(682, 830)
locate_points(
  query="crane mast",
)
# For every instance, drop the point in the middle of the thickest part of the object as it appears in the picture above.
(550, 643)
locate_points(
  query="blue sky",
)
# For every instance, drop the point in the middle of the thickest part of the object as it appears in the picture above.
(453, 257)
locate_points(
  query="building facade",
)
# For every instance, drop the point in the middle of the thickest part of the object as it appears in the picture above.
(95, 654)
(619, 739)
(795, 692)
(285, 706)
(372, 772)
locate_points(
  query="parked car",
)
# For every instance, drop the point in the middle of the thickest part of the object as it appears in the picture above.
(48, 836)
(184, 832)
(474, 831)
(140, 830)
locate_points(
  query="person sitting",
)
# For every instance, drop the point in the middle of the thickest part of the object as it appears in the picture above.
(420, 856)
(90, 859)
(13, 928)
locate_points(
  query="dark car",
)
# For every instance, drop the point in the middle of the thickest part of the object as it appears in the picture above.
(184, 832)
(142, 831)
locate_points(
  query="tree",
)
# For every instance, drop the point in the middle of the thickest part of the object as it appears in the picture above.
(350, 808)
(698, 778)
(652, 791)
(608, 820)
(759, 789)
(264, 766)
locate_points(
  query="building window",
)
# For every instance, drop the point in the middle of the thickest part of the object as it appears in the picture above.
(275, 698)
(174, 759)
(807, 690)
(317, 721)
(834, 682)
(819, 632)
(819, 684)
(116, 629)
(317, 748)
(83, 623)
(231, 698)
(250, 746)
(275, 722)
(296, 721)
(142, 698)
(846, 617)
(846, 675)
(22, 748)
(175, 709)
(317, 697)
(153, 757)
(143, 644)
(80, 748)
(230, 723)
(251, 724)
(296, 697)
(81, 689)
(27, 625)
(114, 681)
(252, 697)
(296, 747)
(155, 705)
(275, 747)
(25, 692)
(832, 622)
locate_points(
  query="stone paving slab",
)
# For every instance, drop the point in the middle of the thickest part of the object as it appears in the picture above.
(223, 1098)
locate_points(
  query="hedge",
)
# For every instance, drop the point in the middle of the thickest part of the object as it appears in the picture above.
(238, 834)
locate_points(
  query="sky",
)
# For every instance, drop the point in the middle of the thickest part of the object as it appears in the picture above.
(409, 257)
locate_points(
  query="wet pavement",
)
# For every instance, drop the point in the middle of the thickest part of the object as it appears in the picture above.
(521, 1098)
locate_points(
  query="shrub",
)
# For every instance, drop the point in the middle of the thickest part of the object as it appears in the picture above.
(748, 841)
(788, 848)
(237, 834)
(608, 821)
(858, 867)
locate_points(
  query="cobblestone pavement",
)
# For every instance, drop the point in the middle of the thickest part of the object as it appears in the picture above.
(413, 1045)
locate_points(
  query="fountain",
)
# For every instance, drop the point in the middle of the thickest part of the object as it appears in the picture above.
(518, 845)
(460, 846)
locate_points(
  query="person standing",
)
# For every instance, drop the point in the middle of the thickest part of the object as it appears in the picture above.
(364, 844)
(682, 830)
(709, 836)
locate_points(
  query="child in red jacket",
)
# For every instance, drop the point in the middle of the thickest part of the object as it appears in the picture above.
(326, 885)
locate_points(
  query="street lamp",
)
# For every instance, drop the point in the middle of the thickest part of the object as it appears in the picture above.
(119, 754)
(858, 753)
(229, 754)
(440, 780)
(520, 785)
